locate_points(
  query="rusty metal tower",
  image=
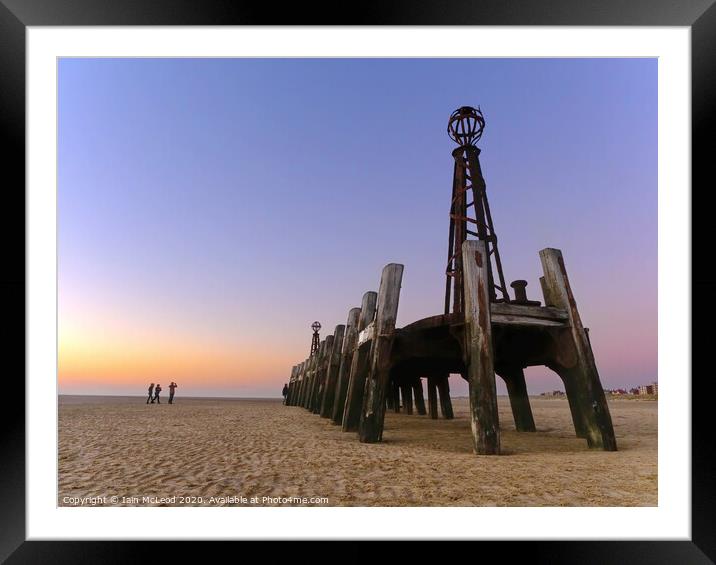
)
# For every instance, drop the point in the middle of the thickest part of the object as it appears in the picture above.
(469, 210)
(315, 342)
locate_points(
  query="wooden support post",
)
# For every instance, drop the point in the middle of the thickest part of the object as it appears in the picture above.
(373, 410)
(433, 397)
(306, 381)
(419, 398)
(334, 363)
(478, 349)
(389, 399)
(575, 403)
(293, 392)
(291, 380)
(514, 378)
(548, 300)
(583, 372)
(406, 391)
(396, 396)
(359, 367)
(314, 375)
(301, 375)
(445, 402)
(321, 374)
(309, 380)
(290, 384)
(349, 344)
(296, 394)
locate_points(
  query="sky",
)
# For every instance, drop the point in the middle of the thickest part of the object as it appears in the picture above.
(209, 210)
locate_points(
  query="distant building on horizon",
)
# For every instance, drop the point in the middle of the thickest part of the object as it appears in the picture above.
(553, 393)
(652, 389)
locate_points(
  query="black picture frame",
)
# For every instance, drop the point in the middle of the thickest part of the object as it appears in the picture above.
(16, 15)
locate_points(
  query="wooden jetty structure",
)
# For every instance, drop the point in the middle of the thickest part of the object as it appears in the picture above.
(369, 365)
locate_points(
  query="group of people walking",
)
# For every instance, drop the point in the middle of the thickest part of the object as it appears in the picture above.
(154, 391)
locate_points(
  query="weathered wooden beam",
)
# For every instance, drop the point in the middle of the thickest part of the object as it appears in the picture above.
(293, 392)
(546, 294)
(478, 349)
(334, 364)
(324, 361)
(396, 396)
(317, 375)
(309, 379)
(575, 402)
(514, 378)
(301, 382)
(359, 367)
(304, 380)
(406, 391)
(296, 388)
(390, 397)
(286, 399)
(290, 384)
(525, 321)
(349, 344)
(521, 310)
(373, 409)
(583, 374)
(433, 397)
(445, 402)
(419, 398)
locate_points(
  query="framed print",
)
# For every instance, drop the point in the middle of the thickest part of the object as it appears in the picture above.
(423, 275)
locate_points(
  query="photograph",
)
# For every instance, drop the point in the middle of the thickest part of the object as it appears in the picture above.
(357, 282)
(417, 273)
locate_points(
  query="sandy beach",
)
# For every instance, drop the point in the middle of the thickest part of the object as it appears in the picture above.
(232, 448)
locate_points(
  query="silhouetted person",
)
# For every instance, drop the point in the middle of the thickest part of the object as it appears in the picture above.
(157, 390)
(172, 386)
(151, 389)
(285, 392)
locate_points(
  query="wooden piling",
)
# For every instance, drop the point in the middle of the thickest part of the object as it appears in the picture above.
(349, 344)
(433, 397)
(406, 391)
(445, 402)
(546, 294)
(359, 367)
(419, 398)
(297, 388)
(320, 363)
(291, 381)
(478, 348)
(589, 393)
(334, 364)
(309, 380)
(324, 361)
(575, 402)
(390, 397)
(396, 396)
(373, 410)
(297, 385)
(514, 378)
(290, 384)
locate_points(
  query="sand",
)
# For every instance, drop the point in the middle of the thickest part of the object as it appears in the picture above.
(224, 448)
